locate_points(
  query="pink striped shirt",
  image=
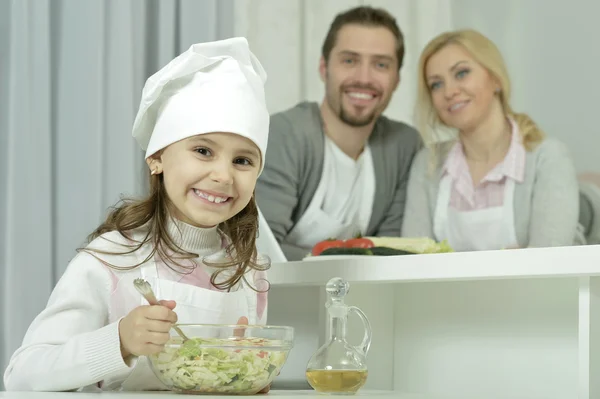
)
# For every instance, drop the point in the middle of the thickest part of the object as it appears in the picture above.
(489, 192)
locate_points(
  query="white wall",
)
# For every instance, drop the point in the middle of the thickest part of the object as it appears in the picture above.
(553, 56)
(549, 47)
(287, 37)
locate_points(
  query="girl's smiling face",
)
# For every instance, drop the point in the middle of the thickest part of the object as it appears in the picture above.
(209, 178)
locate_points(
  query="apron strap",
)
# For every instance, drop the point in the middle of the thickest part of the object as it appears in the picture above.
(368, 179)
(297, 233)
(149, 272)
(509, 211)
(441, 207)
(251, 300)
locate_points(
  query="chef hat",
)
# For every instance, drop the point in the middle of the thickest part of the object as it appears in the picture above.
(212, 87)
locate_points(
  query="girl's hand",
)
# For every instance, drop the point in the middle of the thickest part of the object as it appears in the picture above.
(145, 330)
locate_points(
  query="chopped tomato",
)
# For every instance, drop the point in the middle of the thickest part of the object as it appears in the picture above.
(359, 243)
(323, 245)
(262, 354)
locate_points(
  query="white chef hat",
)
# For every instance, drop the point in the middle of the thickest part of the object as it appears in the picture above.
(212, 87)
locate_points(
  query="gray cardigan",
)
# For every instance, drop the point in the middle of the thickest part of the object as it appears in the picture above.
(546, 204)
(294, 165)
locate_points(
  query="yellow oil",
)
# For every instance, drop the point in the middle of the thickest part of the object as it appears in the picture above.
(336, 381)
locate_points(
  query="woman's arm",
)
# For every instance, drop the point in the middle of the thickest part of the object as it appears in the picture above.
(555, 198)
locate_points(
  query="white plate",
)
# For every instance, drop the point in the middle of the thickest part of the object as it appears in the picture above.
(337, 257)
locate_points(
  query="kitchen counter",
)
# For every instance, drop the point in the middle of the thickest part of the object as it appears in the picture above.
(467, 325)
(170, 395)
(557, 262)
(514, 324)
(275, 394)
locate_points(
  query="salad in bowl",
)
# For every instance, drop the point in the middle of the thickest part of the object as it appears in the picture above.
(223, 359)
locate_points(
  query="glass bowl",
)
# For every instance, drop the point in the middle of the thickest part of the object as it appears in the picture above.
(222, 359)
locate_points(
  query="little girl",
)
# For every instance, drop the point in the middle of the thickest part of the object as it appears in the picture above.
(204, 124)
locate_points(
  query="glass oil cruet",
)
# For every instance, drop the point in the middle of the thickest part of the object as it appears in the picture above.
(338, 367)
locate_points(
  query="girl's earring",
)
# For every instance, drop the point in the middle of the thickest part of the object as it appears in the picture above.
(154, 171)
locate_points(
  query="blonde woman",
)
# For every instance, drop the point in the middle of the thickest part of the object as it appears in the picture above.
(501, 183)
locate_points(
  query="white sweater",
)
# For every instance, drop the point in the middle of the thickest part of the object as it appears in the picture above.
(74, 342)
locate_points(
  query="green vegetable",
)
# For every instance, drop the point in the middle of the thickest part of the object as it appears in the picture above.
(385, 251)
(378, 251)
(386, 246)
(346, 251)
(422, 245)
(444, 246)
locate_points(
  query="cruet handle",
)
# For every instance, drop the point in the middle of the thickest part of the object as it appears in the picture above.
(366, 342)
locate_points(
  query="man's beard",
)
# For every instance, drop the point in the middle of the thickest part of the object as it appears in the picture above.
(359, 121)
(346, 117)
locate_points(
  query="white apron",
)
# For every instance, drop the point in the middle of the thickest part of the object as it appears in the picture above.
(478, 230)
(266, 243)
(315, 225)
(194, 306)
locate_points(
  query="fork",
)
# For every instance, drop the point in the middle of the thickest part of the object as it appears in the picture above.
(144, 288)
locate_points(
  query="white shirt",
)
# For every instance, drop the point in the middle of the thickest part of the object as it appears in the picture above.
(350, 186)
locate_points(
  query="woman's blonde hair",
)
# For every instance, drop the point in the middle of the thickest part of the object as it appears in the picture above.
(152, 214)
(485, 52)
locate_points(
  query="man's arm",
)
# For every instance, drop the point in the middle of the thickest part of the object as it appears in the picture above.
(391, 225)
(294, 252)
(418, 220)
(277, 187)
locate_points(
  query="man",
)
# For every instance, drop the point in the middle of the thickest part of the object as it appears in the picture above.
(340, 169)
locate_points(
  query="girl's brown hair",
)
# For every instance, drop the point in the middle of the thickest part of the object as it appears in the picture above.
(485, 52)
(153, 213)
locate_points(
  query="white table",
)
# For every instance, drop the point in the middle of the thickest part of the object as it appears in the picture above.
(520, 324)
(514, 323)
(163, 395)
